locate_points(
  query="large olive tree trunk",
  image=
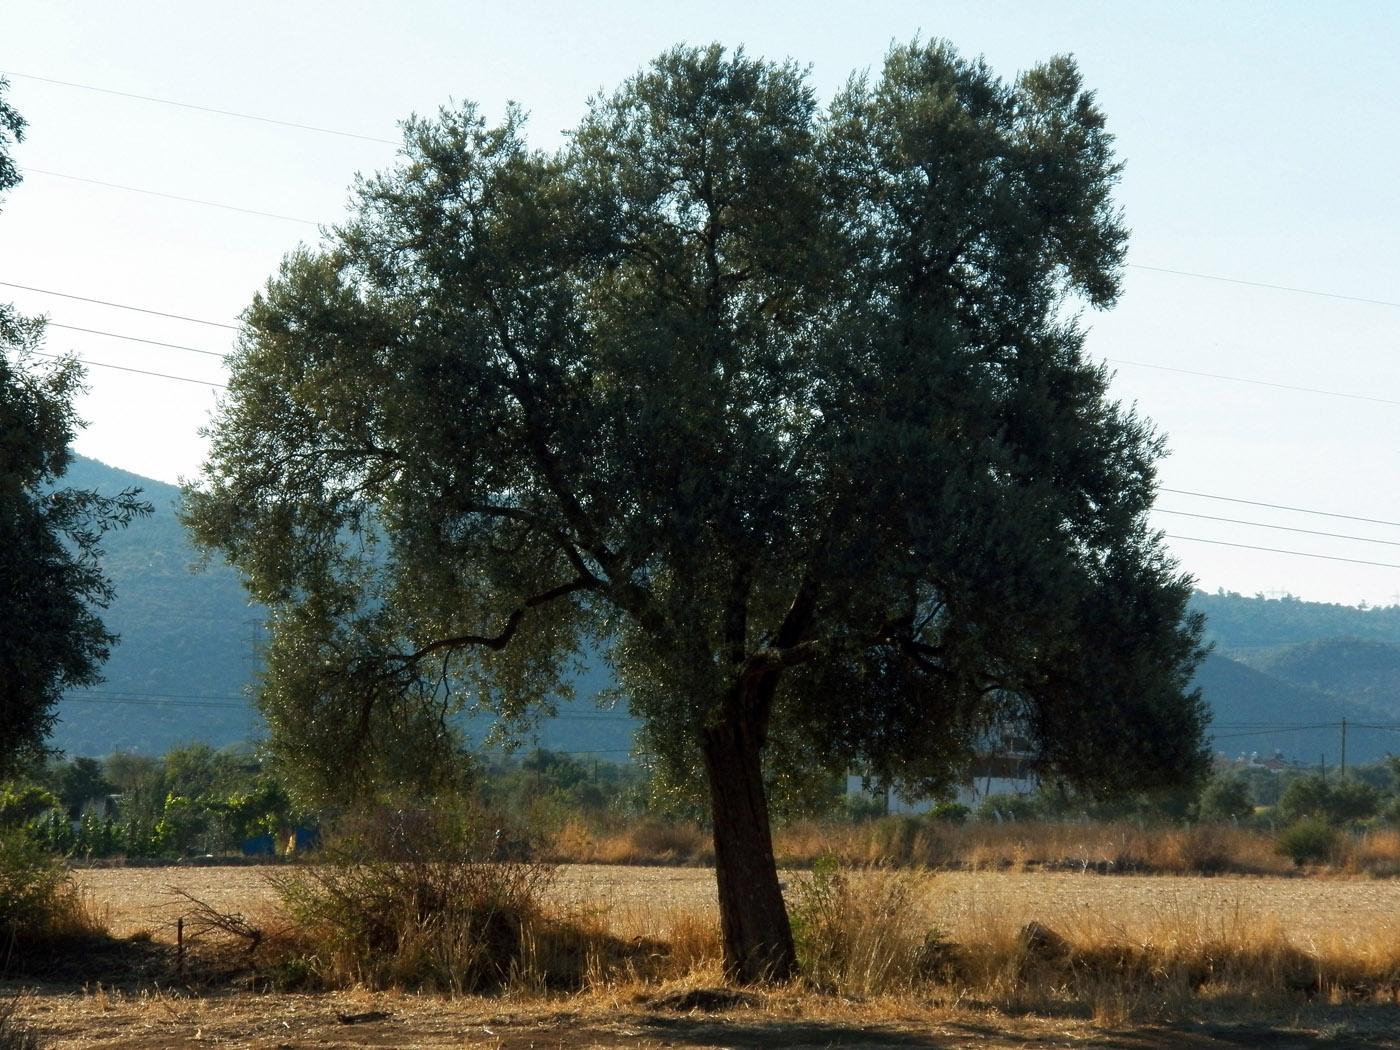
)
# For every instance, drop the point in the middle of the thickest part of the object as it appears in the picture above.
(754, 926)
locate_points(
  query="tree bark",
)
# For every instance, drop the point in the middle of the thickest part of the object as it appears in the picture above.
(754, 926)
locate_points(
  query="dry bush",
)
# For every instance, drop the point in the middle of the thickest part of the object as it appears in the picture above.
(15, 1032)
(1375, 853)
(410, 898)
(418, 899)
(1058, 845)
(865, 933)
(651, 841)
(1164, 961)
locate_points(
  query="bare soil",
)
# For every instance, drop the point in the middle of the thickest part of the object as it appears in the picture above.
(141, 1015)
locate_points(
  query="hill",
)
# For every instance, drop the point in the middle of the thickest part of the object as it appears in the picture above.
(1237, 623)
(1261, 714)
(189, 647)
(1282, 676)
(1285, 673)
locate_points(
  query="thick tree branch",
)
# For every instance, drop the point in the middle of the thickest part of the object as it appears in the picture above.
(500, 640)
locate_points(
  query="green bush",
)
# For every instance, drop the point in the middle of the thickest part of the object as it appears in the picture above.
(1343, 801)
(21, 803)
(1309, 841)
(1005, 806)
(38, 899)
(1225, 799)
(950, 812)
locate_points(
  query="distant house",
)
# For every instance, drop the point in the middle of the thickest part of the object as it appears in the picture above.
(103, 807)
(988, 774)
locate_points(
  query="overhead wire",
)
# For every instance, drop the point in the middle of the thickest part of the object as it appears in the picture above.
(317, 129)
(118, 306)
(169, 196)
(136, 371)
(321, 130)
(1280, 506)
(136, 339)
(1254, 382)
(1263, 284)
(1281, 528)
(203, 109)
(1277, 550)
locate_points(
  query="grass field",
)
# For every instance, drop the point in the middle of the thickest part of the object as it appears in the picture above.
(1344, 929)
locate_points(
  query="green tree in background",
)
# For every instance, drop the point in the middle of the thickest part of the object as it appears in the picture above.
(51, 582)
(786, 412)
(1226, 798)
(79, 781)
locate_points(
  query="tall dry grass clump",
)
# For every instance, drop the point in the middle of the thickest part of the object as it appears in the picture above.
(865, 932)
(412, 898)
(15, 1032)
(1376, 853)
(425, 899)
(1100, 846)
(878, 932)
(644, 841)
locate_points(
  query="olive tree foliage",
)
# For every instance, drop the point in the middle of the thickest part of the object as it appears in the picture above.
(785, 411)
(51, 581)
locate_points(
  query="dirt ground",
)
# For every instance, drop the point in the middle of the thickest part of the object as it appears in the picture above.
(167, 1020)
(133, 1016)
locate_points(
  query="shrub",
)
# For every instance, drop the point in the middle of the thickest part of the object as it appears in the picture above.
(1308, 842)
(38, 899)
(21, 803)
(1000, 806)
(1343, 802)
(411, 898)
(950, 812)
(1353, 800)
(864, 934)
(1226, 799)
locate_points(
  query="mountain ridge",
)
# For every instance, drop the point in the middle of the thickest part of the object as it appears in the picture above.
(1282, 675)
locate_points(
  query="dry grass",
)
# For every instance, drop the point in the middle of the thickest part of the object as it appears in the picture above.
(907, 917)
(1129, 945)
(906, 951)
(646, 841)
(1206, 849)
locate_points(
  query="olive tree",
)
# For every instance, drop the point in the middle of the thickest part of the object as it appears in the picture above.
(786, 411)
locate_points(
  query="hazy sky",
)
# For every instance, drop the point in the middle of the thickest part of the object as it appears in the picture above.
(1260, 142)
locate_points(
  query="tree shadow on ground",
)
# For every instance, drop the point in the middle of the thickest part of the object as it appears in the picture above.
(1360, 1027)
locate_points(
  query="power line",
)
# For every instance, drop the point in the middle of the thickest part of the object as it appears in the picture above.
(135, 339)
(119, 306)
(1281, 528)
(1254, 382)
(170, 702)
(1280, 506)
(397, 142)
(1276, 550)
(136, 371)
(171, 196)
(207, 109)
(1262, 284)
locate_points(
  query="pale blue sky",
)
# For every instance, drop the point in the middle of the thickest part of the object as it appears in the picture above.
(1260, 142)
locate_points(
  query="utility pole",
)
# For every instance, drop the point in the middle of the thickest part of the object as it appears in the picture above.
(1344, 747)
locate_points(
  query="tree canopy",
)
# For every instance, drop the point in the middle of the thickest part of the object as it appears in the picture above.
(785, 411)
(51, 581)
